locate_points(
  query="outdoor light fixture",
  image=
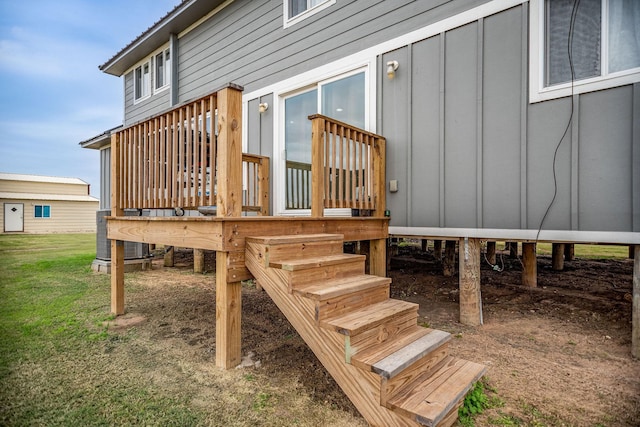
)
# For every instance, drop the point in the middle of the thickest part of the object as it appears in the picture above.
(262, 107)
(392, 66)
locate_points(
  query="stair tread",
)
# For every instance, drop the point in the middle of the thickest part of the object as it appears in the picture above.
(392, 356)
(394, 363)
(370, 316)
(429, 399)
(320, 261)
(327, 289)
(294, 238)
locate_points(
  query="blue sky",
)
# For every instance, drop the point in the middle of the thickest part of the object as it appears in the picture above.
(52, 93)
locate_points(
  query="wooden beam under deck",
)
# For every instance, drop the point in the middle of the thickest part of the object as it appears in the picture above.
(228, 234)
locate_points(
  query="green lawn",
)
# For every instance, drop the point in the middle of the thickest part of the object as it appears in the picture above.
(52, 342)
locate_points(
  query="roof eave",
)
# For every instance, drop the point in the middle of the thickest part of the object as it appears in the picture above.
(99, 141)
(176, 21)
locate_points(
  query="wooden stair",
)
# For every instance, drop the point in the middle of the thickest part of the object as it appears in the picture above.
(395, 372)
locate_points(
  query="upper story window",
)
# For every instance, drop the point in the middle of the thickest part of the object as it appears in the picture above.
(582, 46)
(162, 69)
(297, 10)
(142, 81)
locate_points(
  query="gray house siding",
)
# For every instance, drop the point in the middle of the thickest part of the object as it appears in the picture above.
(469, 151)
(466, 146)
(146, 108)
(246, 43)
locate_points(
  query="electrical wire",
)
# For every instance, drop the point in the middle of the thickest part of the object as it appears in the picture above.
(572, 22)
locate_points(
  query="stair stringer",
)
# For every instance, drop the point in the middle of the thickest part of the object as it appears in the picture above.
(361, 387)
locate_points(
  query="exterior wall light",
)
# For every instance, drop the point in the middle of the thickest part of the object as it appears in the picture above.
(392, 66)
(262, 107)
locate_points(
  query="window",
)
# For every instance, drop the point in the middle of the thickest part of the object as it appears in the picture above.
(42, 211)
(297, 10)
(162, 69)
(142, 81)
(604, 48)
(343, 98)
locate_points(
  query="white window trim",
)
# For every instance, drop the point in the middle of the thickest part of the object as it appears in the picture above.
(301, 86)
(149, 62)
(167, 70)
(304, 15)
(538, 92)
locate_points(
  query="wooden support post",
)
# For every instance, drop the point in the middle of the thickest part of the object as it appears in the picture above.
(169, 253)
(470, 297)
(198, 261)
(569, 253)
(228, 316)
(635, 318)
(631, 252)
(449, 260)
(437, 249)
(557, 256)
(378, 257)
(117, 277)
(317, 170)
(229, 179)
(423, 245)
(229, 201)
(530, 265)
(117, 246)
(491, 252)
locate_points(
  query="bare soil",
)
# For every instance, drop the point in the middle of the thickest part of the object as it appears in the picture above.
(558, 355)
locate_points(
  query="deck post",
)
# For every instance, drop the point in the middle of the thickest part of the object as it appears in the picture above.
(198, 261)
(169, 252)
(635, 321)
(379, 161)
(529, 263)
(449, 259)
(229, 202)
(437, 249)
(491, 252)
(569, 252)
(424, 243)
(469, 278)
(317, 170)
(557, 256)
(228, 316)
(117, 246)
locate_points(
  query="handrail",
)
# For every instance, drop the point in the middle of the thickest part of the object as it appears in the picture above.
(348, 167)
(171, 160)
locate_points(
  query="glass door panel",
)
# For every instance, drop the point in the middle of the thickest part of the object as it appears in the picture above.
(297, 137)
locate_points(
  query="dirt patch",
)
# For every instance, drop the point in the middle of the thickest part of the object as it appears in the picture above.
(558, 355)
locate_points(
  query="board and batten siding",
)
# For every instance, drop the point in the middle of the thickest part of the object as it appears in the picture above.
(469, 151)
(245, 43)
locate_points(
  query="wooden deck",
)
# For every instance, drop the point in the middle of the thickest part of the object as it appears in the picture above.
(191, 157)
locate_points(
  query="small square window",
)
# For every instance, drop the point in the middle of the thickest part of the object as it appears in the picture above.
(42, 211)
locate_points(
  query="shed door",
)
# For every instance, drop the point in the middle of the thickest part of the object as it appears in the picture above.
(13, 217)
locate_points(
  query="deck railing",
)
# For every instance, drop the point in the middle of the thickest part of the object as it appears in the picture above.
(171, 161)
(298, 185)
(347, 167)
